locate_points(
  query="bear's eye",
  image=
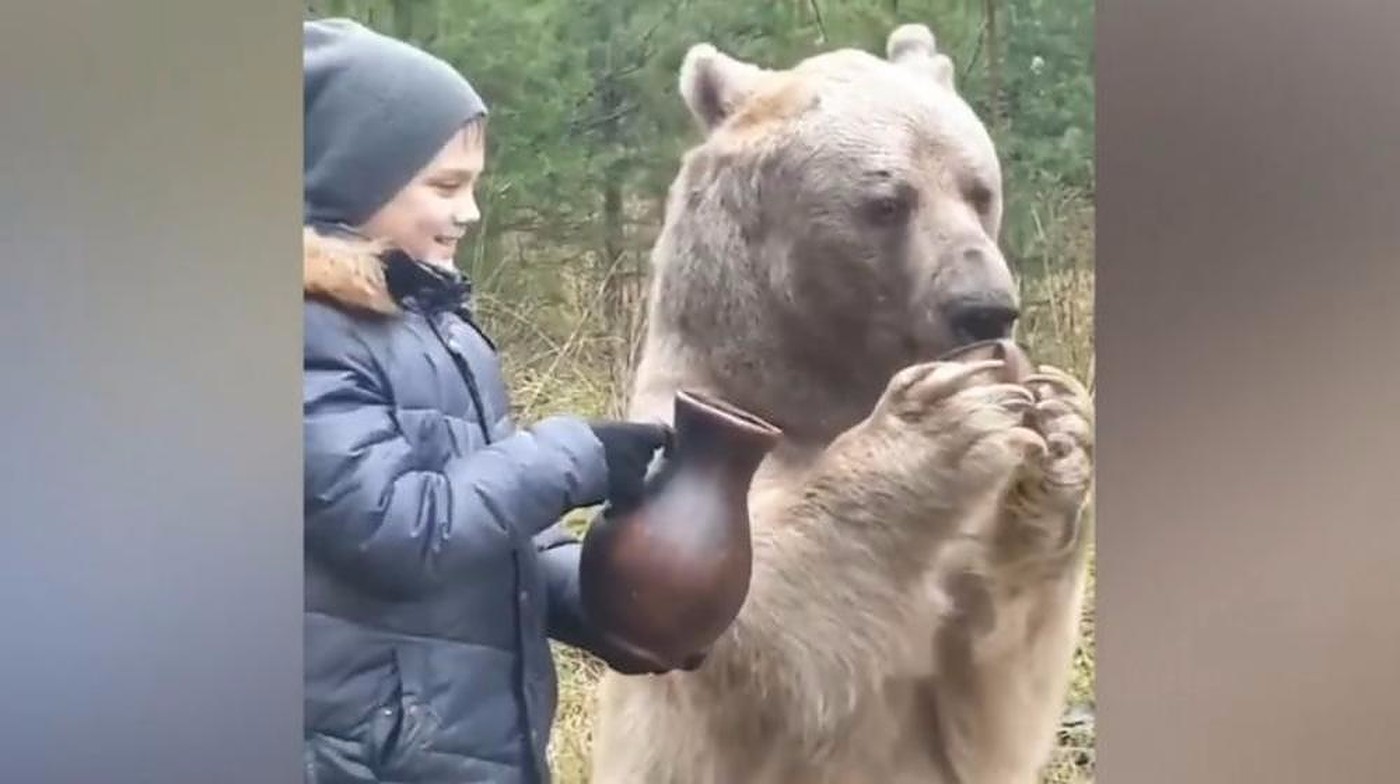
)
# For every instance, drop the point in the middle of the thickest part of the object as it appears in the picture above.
(980, 197)
(889, 209)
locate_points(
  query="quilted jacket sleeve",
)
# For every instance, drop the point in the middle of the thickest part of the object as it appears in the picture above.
(559, 558)
(371, 512)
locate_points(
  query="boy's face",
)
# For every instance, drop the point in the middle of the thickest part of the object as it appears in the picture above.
(436, 208)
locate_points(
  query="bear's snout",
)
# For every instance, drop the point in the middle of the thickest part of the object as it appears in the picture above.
(987, 317)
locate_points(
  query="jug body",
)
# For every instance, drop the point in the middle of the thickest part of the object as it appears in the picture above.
(666, 577)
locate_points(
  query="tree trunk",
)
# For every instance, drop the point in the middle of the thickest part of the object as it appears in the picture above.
(403, 18)
(995, 97)
(613, 259)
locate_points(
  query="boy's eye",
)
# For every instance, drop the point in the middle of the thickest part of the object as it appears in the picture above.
(448, 186)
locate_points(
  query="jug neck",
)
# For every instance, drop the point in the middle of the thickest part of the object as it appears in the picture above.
(708, 428)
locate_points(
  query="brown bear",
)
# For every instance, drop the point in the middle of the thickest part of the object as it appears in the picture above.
(919, 536)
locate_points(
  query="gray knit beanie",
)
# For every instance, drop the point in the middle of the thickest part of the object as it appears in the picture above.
(376, 111)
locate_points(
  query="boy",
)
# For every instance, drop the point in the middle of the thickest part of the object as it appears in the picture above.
(436, 568)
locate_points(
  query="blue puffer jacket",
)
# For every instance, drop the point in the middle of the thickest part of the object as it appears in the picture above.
(435, 564)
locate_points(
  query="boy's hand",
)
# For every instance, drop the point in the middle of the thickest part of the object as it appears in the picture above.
(628, 448)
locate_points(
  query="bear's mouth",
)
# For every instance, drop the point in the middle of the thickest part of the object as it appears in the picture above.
(944, 338)
(980, 320)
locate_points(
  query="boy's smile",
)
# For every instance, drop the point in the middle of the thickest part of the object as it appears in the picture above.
(448, 243)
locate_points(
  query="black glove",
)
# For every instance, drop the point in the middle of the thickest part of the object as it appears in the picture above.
(628, 448)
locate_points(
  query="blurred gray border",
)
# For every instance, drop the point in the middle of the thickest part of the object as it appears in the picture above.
(150, 552)
(1247, 279)
(1248, 282)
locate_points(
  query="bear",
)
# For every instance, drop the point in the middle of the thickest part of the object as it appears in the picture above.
(919, 533)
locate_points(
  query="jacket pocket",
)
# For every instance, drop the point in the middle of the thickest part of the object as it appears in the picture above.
(403, 729)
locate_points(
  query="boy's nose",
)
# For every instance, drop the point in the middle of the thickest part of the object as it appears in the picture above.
(466, 216)
(464, 208)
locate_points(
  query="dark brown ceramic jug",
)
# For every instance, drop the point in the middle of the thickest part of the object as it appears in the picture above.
(663, 579)
(1017, 363)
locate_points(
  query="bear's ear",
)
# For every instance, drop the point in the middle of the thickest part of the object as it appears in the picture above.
(714, 84)
(913, 45)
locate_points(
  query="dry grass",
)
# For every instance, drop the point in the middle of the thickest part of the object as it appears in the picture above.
(1058, 329)
(569, 747)
(563, 374)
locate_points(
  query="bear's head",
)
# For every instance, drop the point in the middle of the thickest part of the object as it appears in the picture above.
(839, 218)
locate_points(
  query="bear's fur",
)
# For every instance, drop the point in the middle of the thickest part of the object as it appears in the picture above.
(918, 542)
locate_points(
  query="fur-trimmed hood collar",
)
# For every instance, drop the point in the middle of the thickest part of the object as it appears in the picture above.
(346, 271)
(361, 275)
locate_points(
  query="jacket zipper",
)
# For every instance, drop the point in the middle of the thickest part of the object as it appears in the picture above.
(466, 374)
(536, 759)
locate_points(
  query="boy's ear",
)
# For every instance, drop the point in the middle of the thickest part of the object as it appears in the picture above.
(714, 84)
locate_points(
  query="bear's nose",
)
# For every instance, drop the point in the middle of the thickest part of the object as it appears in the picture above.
(974, 320)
